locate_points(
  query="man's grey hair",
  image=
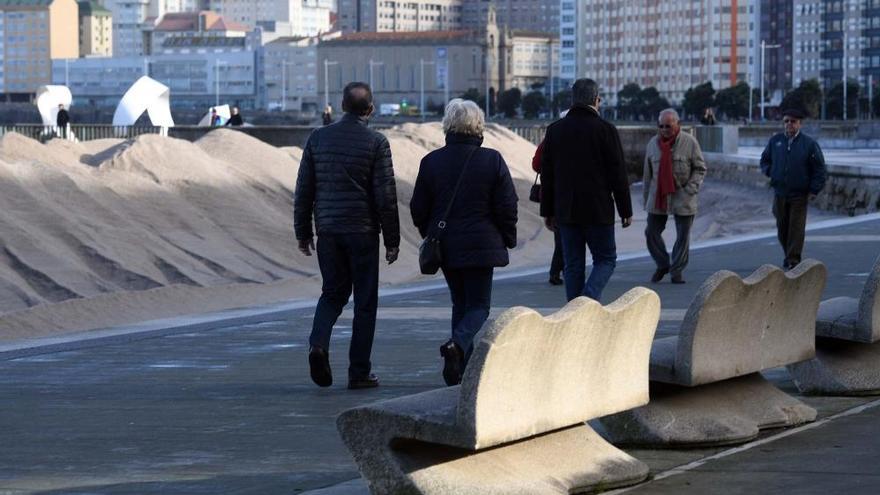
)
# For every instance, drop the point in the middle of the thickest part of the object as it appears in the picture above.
(584, 93)
(463, 117)
(669, 111)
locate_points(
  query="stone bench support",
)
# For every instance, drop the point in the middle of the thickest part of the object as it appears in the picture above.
(516, 424)
(706, 385)
(847, 358)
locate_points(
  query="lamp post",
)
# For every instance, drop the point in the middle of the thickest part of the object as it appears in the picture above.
(217, 64)
(845, 39)
(372, 64)
(764, 47)
(327, 64)
(67, 72)
(422, 64)
(284, 64)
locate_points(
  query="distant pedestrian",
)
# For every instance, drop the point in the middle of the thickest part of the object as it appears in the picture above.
(796, 167)
(346, 183)
(479, 229)
(327, 116)
(556, 262)
(215, 118)
(235, 120)
(708, 117)
(62, 120)
(583, 176)
(673, 173)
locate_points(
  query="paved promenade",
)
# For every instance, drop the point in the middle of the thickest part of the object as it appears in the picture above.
(227, 407)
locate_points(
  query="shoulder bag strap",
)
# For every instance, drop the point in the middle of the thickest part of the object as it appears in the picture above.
(442, 223)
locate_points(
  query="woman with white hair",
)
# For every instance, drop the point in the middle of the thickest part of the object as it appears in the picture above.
(473, 184)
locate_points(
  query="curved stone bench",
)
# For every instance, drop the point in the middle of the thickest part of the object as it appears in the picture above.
(706, 385)
(847, 358)
(516, 424)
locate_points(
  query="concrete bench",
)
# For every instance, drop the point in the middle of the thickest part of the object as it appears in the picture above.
(516, 424)
(847, 358)
(706, 383)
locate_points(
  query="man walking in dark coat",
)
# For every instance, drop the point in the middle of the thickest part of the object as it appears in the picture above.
(583, 176)
(346, 181)
(62, 120)
(796, 167)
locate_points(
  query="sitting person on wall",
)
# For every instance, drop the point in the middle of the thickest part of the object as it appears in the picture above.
(235, 120)
(479, 229)
(708, 117)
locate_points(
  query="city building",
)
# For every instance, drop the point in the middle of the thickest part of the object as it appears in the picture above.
(95, 30)
(526, 15)
(196, 80)
(568, 38)
(399, 15)
(291, 74)
(672, 45)
(199, 32)
(132, 17)
(530, 60)
(33, 33)
(777, 22)
(284, 17)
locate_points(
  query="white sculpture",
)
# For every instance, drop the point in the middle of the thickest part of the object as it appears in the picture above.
(222, 110)
(48, 99)
(148, 95)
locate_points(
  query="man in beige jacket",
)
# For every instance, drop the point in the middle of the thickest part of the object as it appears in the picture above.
(673, 173)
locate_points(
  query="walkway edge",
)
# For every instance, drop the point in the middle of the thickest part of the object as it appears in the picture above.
(198, 322)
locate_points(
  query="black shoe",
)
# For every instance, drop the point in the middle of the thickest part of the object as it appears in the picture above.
(555, 280)
(369, 381)
(677, 279)
(659, 274)
(453, 359)
(319, 365)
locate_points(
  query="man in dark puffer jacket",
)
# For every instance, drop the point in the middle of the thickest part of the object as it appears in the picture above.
(346, 179)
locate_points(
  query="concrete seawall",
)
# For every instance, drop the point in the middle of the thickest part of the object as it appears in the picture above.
(849, 189)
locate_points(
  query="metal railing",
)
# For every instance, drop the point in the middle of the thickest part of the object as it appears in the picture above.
(531, 133)
(82, 132)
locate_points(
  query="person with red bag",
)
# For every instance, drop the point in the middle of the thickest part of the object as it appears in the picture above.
(673, 173)
(556, 263)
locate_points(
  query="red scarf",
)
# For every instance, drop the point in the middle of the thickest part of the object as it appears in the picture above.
(665, 180)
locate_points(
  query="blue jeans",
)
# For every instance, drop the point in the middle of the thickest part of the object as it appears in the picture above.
(575, 239)
(471, 293)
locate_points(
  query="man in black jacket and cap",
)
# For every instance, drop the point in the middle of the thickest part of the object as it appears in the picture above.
(346, 182)
(796, 167)
(583, 177)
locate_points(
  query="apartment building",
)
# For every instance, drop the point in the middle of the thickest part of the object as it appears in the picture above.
(95, 30)
(524, 15)
(300, 18)
(669, 44)
(399, 15)
(33, 33)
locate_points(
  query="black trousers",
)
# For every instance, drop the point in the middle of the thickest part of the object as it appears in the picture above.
(347, 262)
(681, 248)
(471, 293)
(791, 224)
(558, 262)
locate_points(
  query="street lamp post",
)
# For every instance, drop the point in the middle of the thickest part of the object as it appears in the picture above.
(422, 64)
(217, 64)
(764, 47)
(327, 64)
(284, 64)
(372, 64)
(844, 71)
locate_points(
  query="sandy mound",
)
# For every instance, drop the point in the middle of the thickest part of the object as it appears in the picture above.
(122, 230)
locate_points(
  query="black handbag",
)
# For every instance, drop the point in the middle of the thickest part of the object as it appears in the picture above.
(430, 253)
(535, 191)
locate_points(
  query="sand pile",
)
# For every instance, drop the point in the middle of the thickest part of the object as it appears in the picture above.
(111, 231)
